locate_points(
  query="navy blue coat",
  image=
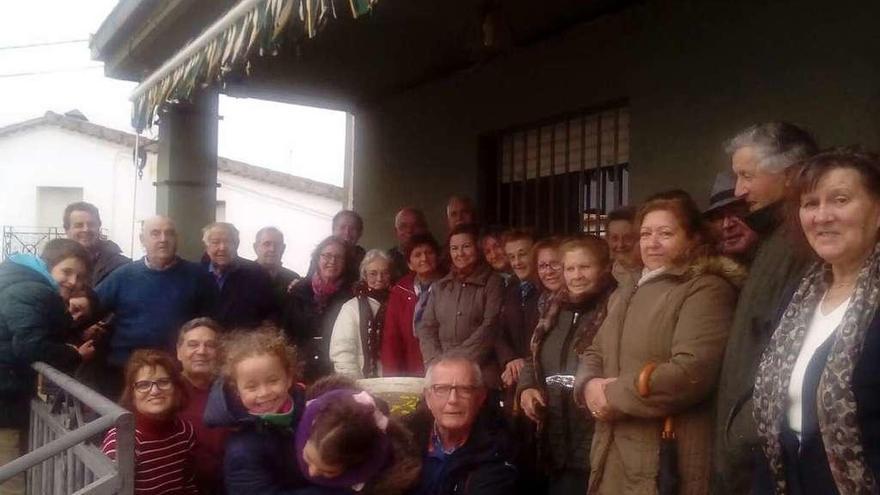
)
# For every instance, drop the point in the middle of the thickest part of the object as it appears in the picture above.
(247, 297)
(260, 458)
(806, 465)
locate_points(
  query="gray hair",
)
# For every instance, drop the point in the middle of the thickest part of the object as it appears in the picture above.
(455, 357)
(777, 145)
(224, 226)
(265, 230)
(371, 256)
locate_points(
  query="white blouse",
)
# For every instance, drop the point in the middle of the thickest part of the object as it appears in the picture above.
(821, 328)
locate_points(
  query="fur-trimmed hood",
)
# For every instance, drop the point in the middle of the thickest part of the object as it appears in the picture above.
(721, 266)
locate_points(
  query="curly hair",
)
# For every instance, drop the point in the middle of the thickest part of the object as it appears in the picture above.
(267, 340)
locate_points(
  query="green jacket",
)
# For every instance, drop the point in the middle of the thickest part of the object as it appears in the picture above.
(33, 323)
(776, 270)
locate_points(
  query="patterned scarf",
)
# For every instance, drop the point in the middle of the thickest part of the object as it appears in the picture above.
(836, 404)
(375, 327)
(324, 291)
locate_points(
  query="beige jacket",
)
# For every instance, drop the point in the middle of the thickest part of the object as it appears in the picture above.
(680, 320)
(463, 316)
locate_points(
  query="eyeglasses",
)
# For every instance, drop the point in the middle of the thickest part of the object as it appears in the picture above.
(554, 266)
(144, 386)
(331, 257)
(444, 391)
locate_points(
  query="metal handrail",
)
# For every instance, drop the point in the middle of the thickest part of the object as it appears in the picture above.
(111, 415)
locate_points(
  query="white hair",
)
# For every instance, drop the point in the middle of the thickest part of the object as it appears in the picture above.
(455, 357)
(371, 256)
(777, 145)
(224, 226)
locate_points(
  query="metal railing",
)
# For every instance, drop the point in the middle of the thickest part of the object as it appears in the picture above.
(27, 240)
(60, 458)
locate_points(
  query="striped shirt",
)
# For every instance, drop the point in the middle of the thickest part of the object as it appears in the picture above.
(163, 462)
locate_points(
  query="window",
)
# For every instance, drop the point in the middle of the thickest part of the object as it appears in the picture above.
(558, 176)
(220, 212)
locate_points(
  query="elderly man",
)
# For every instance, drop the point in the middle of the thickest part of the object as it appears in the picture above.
(459, 211)
(466, 451)
(152, 297)
(246, 295)
(349, 226)
(269, 247)
(408, 222)
(764, 157)
(726, 215)
(82, 223)
(197, 350)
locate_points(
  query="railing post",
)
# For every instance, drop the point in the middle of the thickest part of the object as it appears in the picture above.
(125, 452)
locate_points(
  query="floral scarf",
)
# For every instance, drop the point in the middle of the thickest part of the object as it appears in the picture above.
(836, 404)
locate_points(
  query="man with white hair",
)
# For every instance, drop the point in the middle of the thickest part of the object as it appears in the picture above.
(152, 297)
(764, 159)
(269, 247)
(466, 449)
(246, 296)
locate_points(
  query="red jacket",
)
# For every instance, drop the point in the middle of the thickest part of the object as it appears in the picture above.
(400, 354)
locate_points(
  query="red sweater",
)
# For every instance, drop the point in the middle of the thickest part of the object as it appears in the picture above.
(210, 442)
(162, 456)
(400, 353)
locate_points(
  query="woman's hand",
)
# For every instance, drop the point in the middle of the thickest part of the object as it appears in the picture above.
(596, 400)
(511, 372)
(532, 402)
(86, 350)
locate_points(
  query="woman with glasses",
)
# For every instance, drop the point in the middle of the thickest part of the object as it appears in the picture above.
(313, 305)
(163, 443)
(565, 329)
(548, 267)
(462, 311)
(357, 334)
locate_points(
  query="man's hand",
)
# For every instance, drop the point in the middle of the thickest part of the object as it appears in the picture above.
(95, 331)
(87, 350)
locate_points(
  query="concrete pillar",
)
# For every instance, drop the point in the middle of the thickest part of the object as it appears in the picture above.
(186, 174)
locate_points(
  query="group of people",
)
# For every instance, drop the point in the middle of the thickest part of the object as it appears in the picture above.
(745, 334)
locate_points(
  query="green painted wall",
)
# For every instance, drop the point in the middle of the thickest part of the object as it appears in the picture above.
(694, 72)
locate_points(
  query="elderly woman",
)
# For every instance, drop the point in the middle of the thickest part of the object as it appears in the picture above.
(674, 320)
(34, 293)
(357, 334)
(400, 354)
(566, 328)
(462, 309)
(817, 396)
(313, 304)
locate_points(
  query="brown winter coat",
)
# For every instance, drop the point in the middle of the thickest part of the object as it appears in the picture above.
(680, 320)
(462, 315)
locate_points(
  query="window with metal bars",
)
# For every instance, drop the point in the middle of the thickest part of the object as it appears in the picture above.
(558, 176)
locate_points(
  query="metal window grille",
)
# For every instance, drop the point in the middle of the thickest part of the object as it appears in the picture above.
(562, 175)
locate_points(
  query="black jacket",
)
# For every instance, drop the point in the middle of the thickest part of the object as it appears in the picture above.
(33, 324)
(246, 298)
(482, 466)
(516, 323)
(260, 458)
(309, 327)
(106, 257)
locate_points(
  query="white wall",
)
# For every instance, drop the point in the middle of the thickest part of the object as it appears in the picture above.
(303, 218)
(49, 156)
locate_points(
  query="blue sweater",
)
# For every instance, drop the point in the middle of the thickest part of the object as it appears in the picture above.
(150, 305)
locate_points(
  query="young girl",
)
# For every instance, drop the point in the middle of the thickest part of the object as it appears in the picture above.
(163, 442)
(346, 444)
(257, 397)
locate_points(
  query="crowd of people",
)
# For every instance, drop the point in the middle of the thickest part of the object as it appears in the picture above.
(728, 350)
